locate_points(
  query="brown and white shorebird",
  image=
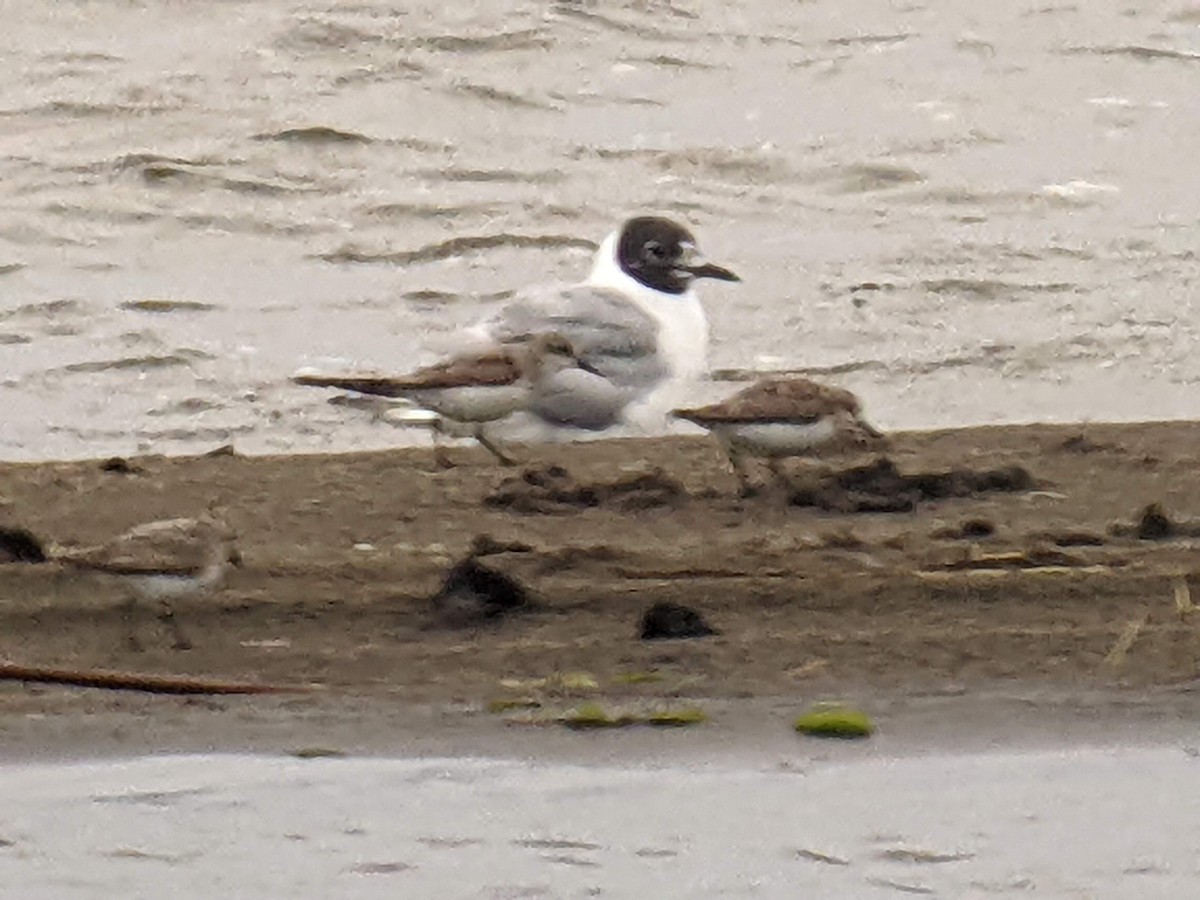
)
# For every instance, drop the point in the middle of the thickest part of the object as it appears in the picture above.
(478, 389)
(161, 562)
(781, 417)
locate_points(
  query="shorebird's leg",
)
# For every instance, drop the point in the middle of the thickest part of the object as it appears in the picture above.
(775, 464)
(738, 462)
(491, 447)
(808, 474)
(440, 459)
(379, 410)
(166, 615)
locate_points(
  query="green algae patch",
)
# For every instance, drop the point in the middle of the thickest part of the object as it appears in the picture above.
(637, 678)
(532, 693)
(508, 704)
(593, 715)
(559, 682)
(677, 718)
(578, 681)
(547, 701)
(832, 721)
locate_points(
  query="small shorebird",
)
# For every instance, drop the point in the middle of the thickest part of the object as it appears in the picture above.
(783, 417)
(161, 562)
(636, 322)
(482, 388)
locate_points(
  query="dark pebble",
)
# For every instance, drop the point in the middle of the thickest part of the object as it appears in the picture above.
(664, 621)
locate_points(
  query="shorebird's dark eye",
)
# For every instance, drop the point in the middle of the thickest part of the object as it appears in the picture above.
(655, 250)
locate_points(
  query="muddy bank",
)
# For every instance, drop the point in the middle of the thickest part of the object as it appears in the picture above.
(1052, 579)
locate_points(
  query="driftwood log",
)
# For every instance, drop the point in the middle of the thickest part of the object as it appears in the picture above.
(134, 681)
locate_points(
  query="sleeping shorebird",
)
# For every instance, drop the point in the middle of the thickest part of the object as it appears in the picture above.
(782, 417)
(478, 389)
(161, 562)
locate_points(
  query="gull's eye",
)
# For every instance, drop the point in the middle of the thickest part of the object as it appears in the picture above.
(656, 251)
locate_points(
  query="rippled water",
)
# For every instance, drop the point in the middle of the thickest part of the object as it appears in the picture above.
(969, 212)
(993, 825)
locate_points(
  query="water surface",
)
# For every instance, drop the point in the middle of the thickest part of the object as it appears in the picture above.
(967, 212)
(1113, 822)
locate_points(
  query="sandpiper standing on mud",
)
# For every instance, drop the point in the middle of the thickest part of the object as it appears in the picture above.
(781, 417)
(161, 562)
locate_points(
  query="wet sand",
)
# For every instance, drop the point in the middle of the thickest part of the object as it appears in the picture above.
(342, 554)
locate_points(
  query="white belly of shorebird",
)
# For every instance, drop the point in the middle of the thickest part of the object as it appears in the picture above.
(777, 439)
(166, 587)
(473, 404)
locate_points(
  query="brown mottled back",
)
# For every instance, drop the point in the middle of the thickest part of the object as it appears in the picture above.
(494, 368)
(777, 399)
(166, 547)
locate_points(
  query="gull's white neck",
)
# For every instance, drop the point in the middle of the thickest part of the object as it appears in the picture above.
(683, 326)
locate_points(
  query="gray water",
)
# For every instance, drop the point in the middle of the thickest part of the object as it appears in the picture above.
(968, 212)
(1083, 823)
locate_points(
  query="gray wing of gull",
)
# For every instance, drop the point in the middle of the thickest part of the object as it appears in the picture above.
(611, 336)
(579, 399)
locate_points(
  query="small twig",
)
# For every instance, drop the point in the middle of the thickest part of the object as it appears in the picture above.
(1116, 656)
(1183, 597)
(132, 681)
(678, 574)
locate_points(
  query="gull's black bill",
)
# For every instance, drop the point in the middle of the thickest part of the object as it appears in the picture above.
(709, 270)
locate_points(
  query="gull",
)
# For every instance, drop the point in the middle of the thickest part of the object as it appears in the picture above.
(781, 417)
(540, 372)
(161, 562)
(636, 322)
